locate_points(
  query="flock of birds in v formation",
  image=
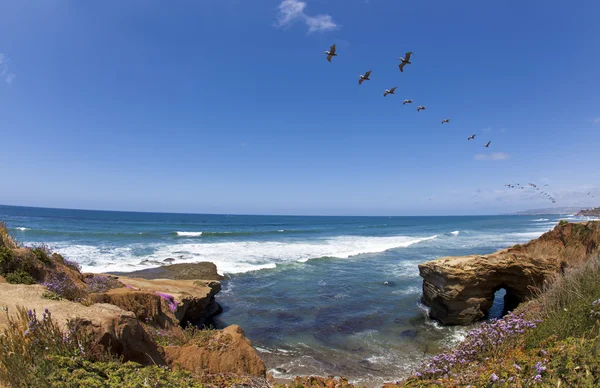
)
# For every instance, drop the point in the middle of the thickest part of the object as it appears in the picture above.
(332, 52)
(406, 61)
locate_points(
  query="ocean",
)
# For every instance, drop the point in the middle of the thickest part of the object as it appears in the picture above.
(316, 295)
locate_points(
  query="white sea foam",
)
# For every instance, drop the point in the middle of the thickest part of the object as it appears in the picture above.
(22, 228)
(455, 233)
(541, 219)
(230, 256)
(412, 290)
(189, 234)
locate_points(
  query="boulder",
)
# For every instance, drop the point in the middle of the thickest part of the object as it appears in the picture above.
(227, 351)
(185, 300)
(115, 328)
(183, 271)
(460, 290)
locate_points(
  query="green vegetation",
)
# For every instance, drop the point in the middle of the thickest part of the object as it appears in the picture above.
(36, 352)
(6, 239)
(50, 295)
(563, 223)
(553, 340)
(19, 277)
(69, 372)
(42, 253)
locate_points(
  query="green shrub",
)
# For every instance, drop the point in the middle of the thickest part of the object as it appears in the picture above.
(19, 277)
(563, 223)
(565, 305)
(50, 295)
(68, 372)
(6, 258)
(42, 253)
(27, 342)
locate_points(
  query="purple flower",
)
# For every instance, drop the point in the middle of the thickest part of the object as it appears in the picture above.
(517, 367)
(169, 299)
(494, 377)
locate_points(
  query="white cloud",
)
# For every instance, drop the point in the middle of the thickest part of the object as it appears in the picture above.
(492, 156)
(291, 11)
(4, 73)
(487, 129)
(596, 120)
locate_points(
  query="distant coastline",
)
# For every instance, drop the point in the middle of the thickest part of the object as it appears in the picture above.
(594, 212)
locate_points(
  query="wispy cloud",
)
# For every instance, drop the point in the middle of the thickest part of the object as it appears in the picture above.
(492, 156)
(487, 129)
(291, 11)
(596, 120)
(4, 72)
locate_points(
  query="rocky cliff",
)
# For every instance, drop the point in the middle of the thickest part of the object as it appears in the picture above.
(460, 290)
(144, 317)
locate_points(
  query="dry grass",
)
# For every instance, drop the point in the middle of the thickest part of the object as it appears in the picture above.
(575, 285)
(6, 239)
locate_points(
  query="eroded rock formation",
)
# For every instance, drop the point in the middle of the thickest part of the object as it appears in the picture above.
(228, 351)
(460, 290)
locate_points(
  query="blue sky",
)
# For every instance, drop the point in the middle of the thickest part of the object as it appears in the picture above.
(229, 106)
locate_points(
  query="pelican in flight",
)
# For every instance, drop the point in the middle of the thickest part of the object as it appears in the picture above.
(407, 101)
(389, 91)
(487, 144)
(420, 108)
(405, 61)
(331, 53)
(364, 77)
(446, 121)
(472, 137)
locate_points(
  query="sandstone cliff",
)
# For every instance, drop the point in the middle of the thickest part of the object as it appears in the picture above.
(460, 290)
(140, 319)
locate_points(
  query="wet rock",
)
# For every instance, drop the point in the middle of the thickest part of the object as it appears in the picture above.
(182, 271)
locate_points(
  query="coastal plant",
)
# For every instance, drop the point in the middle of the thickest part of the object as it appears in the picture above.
(28, 340)
(169, 299)
(62, 285)
(564, 305)
(19, 277)
(43, 254)
(6, 259)
(487, 340)
(71, 264)
(6, 240)
(77, 372)
(50, 295)
(99, 283)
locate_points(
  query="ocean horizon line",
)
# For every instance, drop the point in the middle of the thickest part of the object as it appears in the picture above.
(262, 215)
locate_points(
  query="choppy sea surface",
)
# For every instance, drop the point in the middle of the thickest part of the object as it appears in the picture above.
(316, 295)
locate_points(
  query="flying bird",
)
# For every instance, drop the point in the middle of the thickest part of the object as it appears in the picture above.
(445, 121)
(472, 137)
(420, 108)
(364, 77)
(405, 61)
(331, 53)
(407, 101)
(389, 91)
(488, 144)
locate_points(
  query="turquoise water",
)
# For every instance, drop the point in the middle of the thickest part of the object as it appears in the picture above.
(310, 292)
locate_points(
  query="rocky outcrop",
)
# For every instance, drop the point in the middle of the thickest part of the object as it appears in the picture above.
(113, 327)
(165, 300)
(460, 290)
(227, 351)
(184, 271)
